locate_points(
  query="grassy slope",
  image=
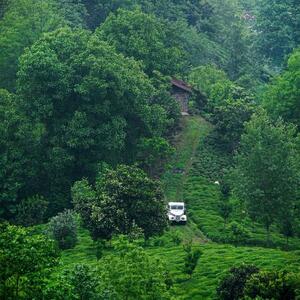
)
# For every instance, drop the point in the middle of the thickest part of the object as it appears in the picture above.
(201, 197)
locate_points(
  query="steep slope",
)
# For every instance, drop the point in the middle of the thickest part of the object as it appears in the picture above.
(195, 129)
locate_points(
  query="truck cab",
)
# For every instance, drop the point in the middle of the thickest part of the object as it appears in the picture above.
(177, 212)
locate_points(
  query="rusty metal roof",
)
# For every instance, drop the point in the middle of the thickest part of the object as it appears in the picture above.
(181, 84)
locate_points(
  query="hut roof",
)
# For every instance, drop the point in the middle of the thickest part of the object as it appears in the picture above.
(181, 84)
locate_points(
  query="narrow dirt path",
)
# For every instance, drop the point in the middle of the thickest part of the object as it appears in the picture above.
(195, 129)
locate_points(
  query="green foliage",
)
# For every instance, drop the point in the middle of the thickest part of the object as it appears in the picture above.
(23, 23)
(112, 110)
(232, 286)
(147, 39)
(100, 246)
(63, 228)
(277, 24)
(287, 227)
(25, 261)
(191, 258)
(229, 118)
(202, 197)
(31, 211)
(225, 209)
(272, 285)
(130, 273)
(98, 10)
(266, 175)
(121, 199)
(18, 144)
(205, 77)
(238, 234)
(153, 153)
(215, 83)
(74, 12)
(281, 98)
(83, 281)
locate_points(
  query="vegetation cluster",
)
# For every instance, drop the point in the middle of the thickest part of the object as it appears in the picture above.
(93, 146)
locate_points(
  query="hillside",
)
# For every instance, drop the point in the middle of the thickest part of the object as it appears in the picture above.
(201, 197)
(111, 109)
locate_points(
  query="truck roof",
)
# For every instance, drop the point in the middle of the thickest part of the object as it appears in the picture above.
(176, 203)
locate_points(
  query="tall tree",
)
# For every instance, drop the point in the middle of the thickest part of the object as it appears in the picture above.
(144, 37)
(266, 174)
(282, 97)
(121, 199)
(23, 23)
(277, 25)
(91, 102)
(18, 146)
(25, 262)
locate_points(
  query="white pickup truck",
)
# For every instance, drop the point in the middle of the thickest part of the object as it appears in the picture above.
(177, 212)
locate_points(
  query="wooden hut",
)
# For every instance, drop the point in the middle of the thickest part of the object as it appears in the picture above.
(182, 92)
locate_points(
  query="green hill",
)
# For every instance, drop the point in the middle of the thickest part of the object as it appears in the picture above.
(181, 182)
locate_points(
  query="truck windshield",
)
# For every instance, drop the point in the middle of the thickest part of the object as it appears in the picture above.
(177, 207)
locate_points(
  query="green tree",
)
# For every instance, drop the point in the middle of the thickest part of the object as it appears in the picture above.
(238, 234)
(63, 229)
(205, 77)
(277, 25)
(84, 282)
(275, 285)
(122, 198)
(229, 118)
(31, 211)
(232, 285)
(144, 37)
(266, 174)
(287, 227)
(24, 22)
(99, 10)
(130, 273)
(281, 98)
(225, 209)
(74, 12)
(25, 261)
(18, 145)
(153, 153)
(93, 104)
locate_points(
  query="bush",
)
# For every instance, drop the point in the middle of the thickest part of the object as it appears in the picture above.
(31, 211)
(272, 285)
(63, 228)
(176, 237)
(232, 286)
(238, 233)
(191, 258)
(84, 282)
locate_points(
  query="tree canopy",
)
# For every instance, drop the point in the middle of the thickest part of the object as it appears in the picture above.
(122, 198)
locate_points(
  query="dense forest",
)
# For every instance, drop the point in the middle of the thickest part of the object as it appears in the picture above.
(94, 144)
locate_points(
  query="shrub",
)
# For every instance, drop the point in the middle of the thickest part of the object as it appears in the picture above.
(176, 237)
(238, 233)
(191, 258)
(272, 285)
(31, 211)
(84, 281)
(129, 272)
(232, 286)
(63, 228)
